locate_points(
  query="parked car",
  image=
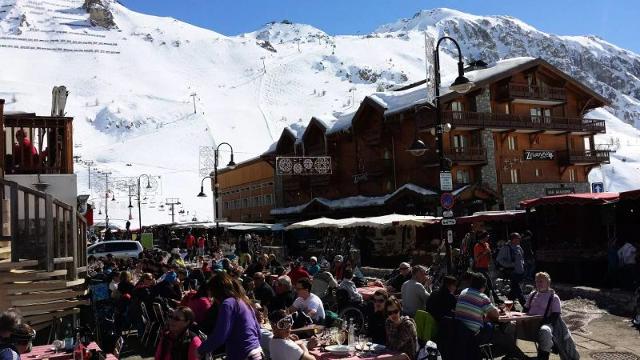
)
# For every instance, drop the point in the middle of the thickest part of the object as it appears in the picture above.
(117, 248)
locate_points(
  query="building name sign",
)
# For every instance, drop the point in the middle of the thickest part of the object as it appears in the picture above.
(358, 178)
(539, 155)
(303, 165)
(560, 191)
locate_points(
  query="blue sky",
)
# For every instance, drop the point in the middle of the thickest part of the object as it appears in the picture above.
(614, 20)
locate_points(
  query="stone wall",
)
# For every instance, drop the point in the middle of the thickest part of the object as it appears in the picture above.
(488, 174)
(514, 193)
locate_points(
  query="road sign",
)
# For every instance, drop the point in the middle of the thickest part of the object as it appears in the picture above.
(597, 187)
(448, 222)
(447, 200)
(446, 182)
(450, 236)
(447, 214)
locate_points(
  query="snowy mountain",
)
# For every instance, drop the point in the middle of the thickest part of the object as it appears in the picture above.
(135, 80)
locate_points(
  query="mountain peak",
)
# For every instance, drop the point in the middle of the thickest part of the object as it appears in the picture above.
(423, 19)
(286, 31)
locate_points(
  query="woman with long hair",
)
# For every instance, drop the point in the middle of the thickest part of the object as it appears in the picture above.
(401, 330)
(178, 342)
(236, 325)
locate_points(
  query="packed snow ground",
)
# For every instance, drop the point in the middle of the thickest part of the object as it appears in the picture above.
(130, 92)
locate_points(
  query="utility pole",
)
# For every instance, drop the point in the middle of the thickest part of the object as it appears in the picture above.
(89, 164)
(172, 202)
(193, 95)
(106, 199)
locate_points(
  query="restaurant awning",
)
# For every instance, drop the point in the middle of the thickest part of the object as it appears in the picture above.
(630, 195)
(249, 228)
(375, 222)
(482, 216)
(572, 199)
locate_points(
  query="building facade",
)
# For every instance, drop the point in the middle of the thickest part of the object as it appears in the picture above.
(519, 133)
(246, 192)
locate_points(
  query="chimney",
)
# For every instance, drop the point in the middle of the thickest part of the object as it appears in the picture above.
(476, 65)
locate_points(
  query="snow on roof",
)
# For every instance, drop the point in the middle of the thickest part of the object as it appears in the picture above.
(353, 201)
(342, 122)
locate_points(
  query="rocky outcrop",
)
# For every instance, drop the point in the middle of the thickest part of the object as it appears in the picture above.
(99, 13)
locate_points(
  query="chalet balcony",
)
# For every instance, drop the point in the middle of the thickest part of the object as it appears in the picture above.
(458, 155)
(525, 93)
(584, 157)
(477, 120)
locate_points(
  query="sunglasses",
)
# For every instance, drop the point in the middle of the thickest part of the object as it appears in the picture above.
(393, 312)
(379, 300)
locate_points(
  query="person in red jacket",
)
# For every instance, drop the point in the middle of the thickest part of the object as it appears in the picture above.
(190, 242)
(201, 244)
(25, 155)
(298, 272)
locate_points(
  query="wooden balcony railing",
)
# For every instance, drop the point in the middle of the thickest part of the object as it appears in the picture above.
(469, 155)
(574, 157)
(485, 120)
(533, 92)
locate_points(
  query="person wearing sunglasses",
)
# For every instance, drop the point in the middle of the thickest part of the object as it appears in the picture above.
(284, 345)
(401, 330)
(376, 317)
(308, 302)
(179, 342)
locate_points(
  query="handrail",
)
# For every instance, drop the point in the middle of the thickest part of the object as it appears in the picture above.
(536, 92)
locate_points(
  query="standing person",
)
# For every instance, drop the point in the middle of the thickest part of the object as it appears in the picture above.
(401, 330)
(414, 291)
(308, 302)
(338, 267)
(481, 261)
(190, 243)
(627, 259)
(201, 244)
(20, 342)
(236, 325)
(513, 258)
(174, 243)
(178, 342)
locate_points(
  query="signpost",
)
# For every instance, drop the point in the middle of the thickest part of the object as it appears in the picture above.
(446, 182)
(448, 222)
(447, 214)
(597, 187)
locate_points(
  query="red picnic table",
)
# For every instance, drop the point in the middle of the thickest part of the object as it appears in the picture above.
(48, 352)
(368, 291)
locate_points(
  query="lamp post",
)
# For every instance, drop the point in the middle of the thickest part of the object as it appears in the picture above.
(106, 199)
(202, 194)
(230, 165)
(139, 198)
(460, 85)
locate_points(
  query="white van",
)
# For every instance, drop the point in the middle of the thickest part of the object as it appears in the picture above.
(117, 248)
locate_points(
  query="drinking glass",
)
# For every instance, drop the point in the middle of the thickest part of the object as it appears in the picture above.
(508, 304)
(342, 337)
(362, 342)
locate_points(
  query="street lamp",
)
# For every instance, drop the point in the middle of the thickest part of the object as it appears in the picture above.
(460, 85)
(231, 165)
(148, 187)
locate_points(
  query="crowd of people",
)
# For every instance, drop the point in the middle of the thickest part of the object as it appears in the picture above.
(246, 306)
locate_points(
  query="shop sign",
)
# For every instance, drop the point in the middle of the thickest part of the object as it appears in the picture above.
(539, 154)
(559, 191)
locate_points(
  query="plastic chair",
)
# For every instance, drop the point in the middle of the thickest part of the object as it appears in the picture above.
(426, 326)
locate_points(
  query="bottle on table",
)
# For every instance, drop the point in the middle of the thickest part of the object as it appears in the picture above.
(80, 352)
(68, 338)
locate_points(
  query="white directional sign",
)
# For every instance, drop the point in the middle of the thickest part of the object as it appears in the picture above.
(446, 182)
(448, 222)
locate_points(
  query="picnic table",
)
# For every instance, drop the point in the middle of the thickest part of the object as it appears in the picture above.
(517, 317)
(320, 354)
(47, 352)
(368, 291)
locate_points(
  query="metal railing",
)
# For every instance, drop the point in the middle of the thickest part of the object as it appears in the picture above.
(459, 155)
(42, 228)
(585, 156)
(485, 120)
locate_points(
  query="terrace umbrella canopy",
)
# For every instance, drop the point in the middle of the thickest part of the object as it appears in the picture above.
(374, 222)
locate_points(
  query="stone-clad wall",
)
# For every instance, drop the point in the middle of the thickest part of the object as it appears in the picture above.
(488, 174)
(514, 193)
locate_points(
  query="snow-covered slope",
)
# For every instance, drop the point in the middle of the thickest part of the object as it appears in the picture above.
(131, 84)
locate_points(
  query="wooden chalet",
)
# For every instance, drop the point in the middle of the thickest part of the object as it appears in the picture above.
(43, 244)
(520, 133)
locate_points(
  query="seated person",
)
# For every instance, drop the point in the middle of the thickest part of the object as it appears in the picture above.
(349, 286)
(313, 268)
(394, 284)
(475, 310)
(308, 302)
(25, 154)
(401, 330)
(178, 340)
(414, 291)
(19, 342)
(285, 295)
(284, 345)
(323, 281)
(376, 317)
(442, 303)
(543, 301)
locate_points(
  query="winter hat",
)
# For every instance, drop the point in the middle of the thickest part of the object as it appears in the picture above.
(338, 258)
(313, 258)
(324, 265)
